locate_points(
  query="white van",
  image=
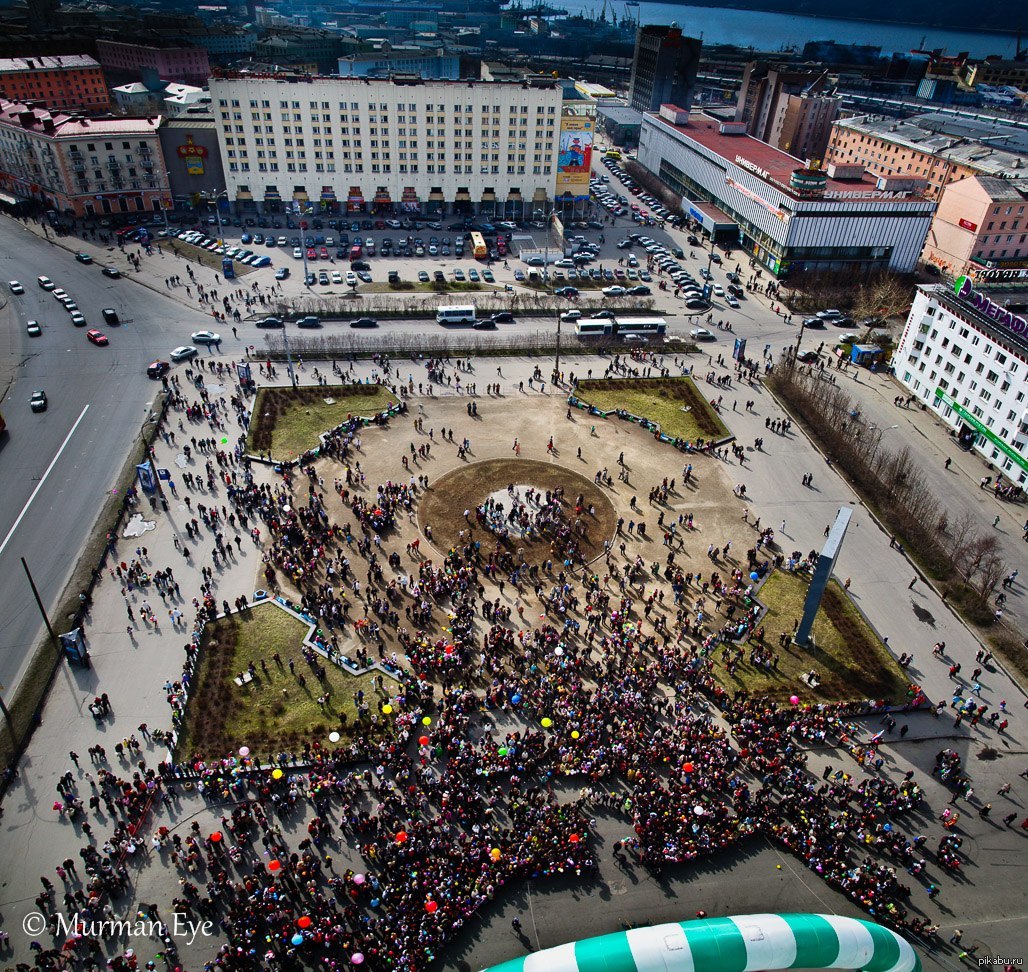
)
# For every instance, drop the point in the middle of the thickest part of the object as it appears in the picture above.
(46, 283)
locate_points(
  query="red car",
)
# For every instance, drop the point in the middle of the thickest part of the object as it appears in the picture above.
(324, 253)
(312, 254)
(96, 337)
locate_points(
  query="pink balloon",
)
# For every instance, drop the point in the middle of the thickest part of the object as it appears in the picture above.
(358, 879)
(244, 751)
(357, 958)
(794, 699)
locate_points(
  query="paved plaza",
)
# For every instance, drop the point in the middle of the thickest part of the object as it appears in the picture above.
(611, 874)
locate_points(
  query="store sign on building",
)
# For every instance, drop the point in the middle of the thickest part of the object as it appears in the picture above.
(193, 155)
(752, 167)
(968, 225)
(965, 291)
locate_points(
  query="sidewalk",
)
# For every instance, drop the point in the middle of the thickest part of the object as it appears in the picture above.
(957, 488)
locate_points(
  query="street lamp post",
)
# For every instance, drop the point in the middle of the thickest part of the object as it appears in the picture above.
(207, 197)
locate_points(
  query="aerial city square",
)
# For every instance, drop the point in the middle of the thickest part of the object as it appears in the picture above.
(525, 487)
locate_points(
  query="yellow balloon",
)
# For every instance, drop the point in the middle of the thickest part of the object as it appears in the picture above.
(276, 774)
(547, 722)
(575, 734)
(495, 853)
(427, 721)
(387, 709)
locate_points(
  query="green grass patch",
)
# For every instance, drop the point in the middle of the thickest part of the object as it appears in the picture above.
(287, 422)
(676, 404)
(846, 653)
(274, 712)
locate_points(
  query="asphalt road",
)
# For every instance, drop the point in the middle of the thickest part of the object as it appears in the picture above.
(57, 466)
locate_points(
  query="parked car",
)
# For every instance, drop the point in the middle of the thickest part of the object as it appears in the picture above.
(364, 322)
(309, 322)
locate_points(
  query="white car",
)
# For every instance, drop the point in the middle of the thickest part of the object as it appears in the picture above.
(184, 352)
(16, 288)
(701, 334)
(614, 291)
(351, 278)
(731, 301)
(33, 328)
(297, 253)
(205, 337)
(58, 294)
(337, 277)
(719, 291)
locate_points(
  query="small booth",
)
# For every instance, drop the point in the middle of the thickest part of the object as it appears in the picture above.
(866, 355)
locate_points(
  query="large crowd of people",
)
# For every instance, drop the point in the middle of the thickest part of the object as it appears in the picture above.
(515, 706)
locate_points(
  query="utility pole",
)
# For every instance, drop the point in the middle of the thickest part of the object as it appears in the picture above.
(39, 604)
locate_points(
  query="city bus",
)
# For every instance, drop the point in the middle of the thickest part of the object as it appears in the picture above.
(478, 247)
(593, 327)
(612, 154)
(640, 325)
(455, 314)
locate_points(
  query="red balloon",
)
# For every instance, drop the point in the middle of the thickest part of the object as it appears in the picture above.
(401, 837)
(216, 836)
(423, 741)
(274, 865)
(303, 922)
(431, 907)
(574, 838)
(688, 767)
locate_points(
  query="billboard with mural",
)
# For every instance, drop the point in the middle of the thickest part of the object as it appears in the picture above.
(574, 157)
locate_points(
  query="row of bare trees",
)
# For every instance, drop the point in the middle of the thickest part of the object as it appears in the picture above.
(950, 548)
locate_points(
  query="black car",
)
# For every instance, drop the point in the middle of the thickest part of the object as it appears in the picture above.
(504, 317)
(486, 324)
(83, 257)
(110, 315)
(594, 224)
(694, 241)
(394, 276)
(270, 322)
(309, 322)
(364, 322)
(809, 357)
(360, 265)
(112, 272)
(714, 258)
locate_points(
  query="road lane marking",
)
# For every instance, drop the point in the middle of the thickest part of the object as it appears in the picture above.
(39, 485)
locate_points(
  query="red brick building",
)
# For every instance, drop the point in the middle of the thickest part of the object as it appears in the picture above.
(74, 81)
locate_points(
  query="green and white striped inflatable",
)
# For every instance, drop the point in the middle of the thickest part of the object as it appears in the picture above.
(743, 943)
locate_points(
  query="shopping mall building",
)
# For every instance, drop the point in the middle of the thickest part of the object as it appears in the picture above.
(788, 214)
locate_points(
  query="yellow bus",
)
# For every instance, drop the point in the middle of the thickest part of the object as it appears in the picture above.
(612, 154)
(478, 247)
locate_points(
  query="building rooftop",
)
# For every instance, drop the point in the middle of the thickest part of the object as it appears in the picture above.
(1002, 335)
(620, 114)
(1004, 190)
(972, 151)
(765, 161)
(66, 62)
(63, 125)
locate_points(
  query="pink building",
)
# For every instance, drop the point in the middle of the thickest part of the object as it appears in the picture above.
(124, 60)
(980, 226)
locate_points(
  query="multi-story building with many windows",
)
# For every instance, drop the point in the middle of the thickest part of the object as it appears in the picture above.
(81, 166)
(370, 145)
(965, 354)
(72, 82)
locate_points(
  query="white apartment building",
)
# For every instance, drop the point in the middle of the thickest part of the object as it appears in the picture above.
(966, 356)
(361, 145)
